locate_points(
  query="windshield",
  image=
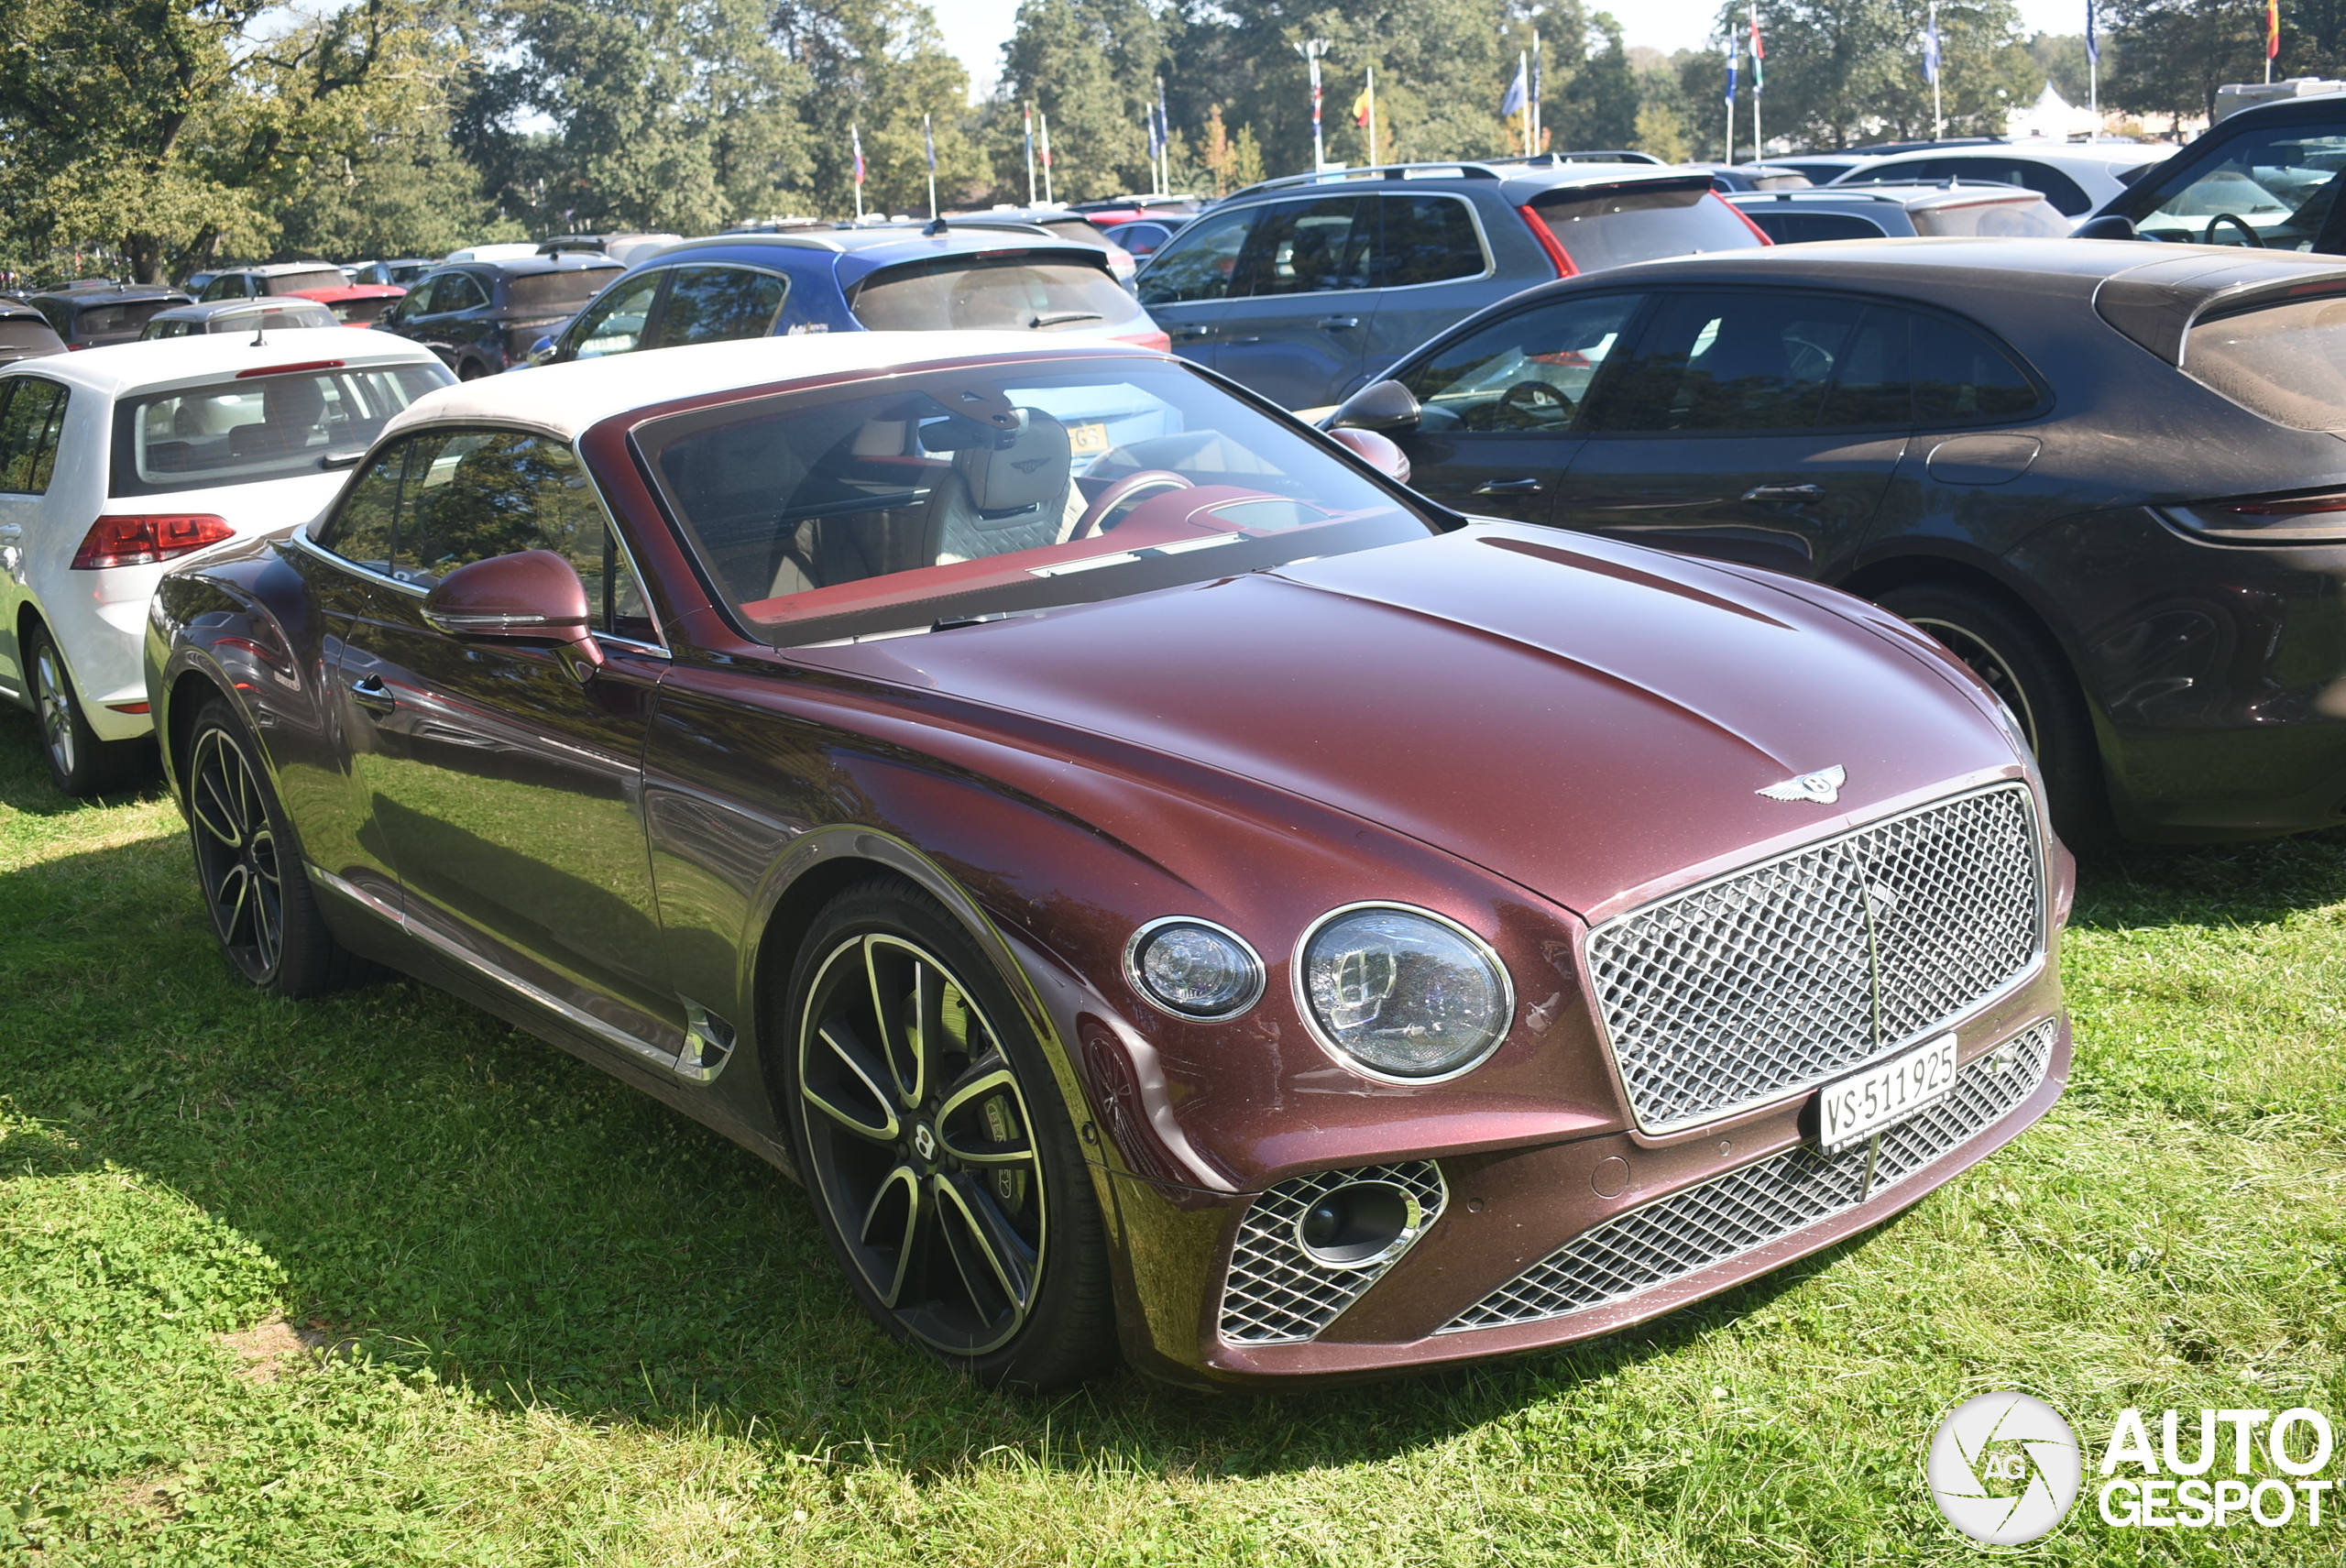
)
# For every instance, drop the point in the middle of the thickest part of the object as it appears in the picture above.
(317, 277)
(270, 427)
(964, 493)
(558, 291)
(1014, 293)
(2273, 189)
(1613, 228)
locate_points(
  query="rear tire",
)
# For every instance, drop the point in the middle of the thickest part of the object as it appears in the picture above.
(2019, 661)
(249, 866)
(932, 1138)
(80, 762)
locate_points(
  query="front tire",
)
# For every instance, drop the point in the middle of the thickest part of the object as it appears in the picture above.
(82, 764)
(2024, 667)
(932, 1138)
(248, 865)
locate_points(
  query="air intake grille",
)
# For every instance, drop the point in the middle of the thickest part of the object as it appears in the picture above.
(1749, 1208)
(1276, 1293)
(1778, 977)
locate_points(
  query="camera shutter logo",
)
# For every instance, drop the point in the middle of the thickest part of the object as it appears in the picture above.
(2004, 1468)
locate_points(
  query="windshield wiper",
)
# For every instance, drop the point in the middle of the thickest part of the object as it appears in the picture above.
(1062, 317)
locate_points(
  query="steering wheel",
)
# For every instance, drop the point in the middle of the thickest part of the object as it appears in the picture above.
(1534, 402)
(2248, 235)
(1124, 492)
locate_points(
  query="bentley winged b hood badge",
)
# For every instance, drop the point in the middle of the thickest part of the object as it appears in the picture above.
(1823, 786)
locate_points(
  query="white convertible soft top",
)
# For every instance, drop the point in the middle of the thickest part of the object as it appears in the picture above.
(128, 367)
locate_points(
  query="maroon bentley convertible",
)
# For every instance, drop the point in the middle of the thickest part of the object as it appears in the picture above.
(1153, 878)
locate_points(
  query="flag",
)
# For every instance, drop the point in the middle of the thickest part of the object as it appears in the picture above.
(1931, 50)
(1360, 110)
(1164, 118)
(1046, 141)
(929, 137)
(1030, 135)
(1758, 54)
(2093, 40)
(2272, 29)
(855, 139)
(1731, 42)
(1519, 93)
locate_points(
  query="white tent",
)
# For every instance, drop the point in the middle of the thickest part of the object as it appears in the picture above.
(2052, 116)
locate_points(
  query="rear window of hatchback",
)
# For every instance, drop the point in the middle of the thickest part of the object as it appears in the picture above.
(1009, 293)
(244, 429)
(1641, 222)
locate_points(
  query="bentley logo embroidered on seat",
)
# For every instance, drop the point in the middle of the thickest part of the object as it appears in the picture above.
(1823, 786)
(1029, 465)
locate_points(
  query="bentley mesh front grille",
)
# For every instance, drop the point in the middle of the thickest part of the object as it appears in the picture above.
(1749, 1208)
(1775, 977)
(1276, 1293)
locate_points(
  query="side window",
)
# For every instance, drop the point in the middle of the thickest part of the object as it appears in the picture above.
(2273, 188)
(1202, 262)
(1800, 228)
(1311, 248)
(366, 530)
(29, 422)
(419, 300)
(228, 286)
(2065, 195)
(1426, 239)
(1531, 371)
(614, 323)
(459, 291)
(1961, 374)
(716, 305)
(1734, 361)
(1872, 384)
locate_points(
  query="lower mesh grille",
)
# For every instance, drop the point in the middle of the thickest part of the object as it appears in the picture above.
(1276, 1294)
(1751, 1207)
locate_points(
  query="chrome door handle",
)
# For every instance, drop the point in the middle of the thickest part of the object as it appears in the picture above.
(1190, 333)
(1507, 487)
(1245, 340)
(1784, 493)
(1336, 324)
(370, 692)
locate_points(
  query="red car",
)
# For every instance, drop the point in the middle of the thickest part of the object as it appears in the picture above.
(353, 304)
(1155, 878)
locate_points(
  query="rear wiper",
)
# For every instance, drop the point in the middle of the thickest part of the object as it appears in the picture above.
(1063, 317)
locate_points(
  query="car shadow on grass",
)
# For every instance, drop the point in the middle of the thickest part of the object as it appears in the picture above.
(25, 782)
(2139, 885)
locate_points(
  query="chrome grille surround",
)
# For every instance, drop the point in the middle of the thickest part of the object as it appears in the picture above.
(1774, 978)
(1747, 1208)
(1276, 1293)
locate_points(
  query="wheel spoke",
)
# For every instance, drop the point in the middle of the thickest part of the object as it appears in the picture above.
(885, 962)
(212, 811)
(236, 892)
(893, 1220)
(840, 1039)
(987, 1082)
(268, 899)
(995, 1261)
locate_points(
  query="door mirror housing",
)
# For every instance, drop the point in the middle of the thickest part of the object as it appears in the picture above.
(1377, 451)
(2109, 226)
(533, 595)
(1380, 405)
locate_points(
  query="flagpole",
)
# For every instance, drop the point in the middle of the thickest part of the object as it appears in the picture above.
(855, 136)
(1938, 68)
(1311, 49)
(1371, 115)
(929, 137)
(1043, 118)
(1759, 81)
(1730, 96)
(2093, 71)
(1030, 153)
(1531, 108)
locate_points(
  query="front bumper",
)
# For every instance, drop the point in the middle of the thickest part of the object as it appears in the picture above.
(1687, 1218)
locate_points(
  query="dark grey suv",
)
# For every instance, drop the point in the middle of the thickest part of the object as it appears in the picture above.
(1306, 288)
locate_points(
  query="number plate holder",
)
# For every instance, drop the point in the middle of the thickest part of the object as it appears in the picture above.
(1850, 1111)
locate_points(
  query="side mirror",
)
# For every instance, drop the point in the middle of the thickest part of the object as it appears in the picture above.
(1380, 405)
(2109, 226)
(1377, 451)
(542, 351)
(533, 595)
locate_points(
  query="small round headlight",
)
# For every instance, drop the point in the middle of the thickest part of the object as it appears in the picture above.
(1404, 993)
(1193, 969)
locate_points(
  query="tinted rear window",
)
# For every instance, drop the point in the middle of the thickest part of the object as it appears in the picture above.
(1011, 294)
(270, 427)
(19, 334)
(2004, 220)
(2286, 363)
(111, 322)
(1801, 228)
(316, 277)
(558, 291)
(1612, 228)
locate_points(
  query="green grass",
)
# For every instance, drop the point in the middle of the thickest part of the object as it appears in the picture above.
(576, 1328)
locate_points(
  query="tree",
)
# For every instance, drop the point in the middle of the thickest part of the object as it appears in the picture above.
(2173, 54)
(2062, 57)
(1092, 66)
(876, 68)
(1843, 72)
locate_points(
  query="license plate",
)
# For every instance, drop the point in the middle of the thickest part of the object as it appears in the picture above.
(1885, 1094)
(1085, 439)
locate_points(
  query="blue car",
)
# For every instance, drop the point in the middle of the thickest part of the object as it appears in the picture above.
(875, 277)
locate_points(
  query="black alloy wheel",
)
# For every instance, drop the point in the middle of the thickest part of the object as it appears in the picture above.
(931, 1136)
(80, 763)
(249, 868)
(2020, 663)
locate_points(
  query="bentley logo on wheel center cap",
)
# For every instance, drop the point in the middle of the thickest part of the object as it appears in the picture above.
(925, 1142)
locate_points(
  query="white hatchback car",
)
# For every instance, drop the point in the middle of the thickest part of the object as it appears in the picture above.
(119, 460)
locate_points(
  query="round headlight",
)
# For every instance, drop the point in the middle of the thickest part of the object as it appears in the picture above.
(1193, 969)
(1404, 993)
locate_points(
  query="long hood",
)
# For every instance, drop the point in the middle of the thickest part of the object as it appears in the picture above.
(1581, 718)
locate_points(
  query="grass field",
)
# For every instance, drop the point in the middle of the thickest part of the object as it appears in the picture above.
(379, 1280)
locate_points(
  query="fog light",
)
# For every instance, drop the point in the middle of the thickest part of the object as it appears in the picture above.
(1358, 1224)
(1193, 969)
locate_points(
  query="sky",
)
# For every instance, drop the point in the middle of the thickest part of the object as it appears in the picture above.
(976, 29)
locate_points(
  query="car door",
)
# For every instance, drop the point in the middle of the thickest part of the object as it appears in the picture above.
(504, 781)
(467, 319)
(412, 317)
(1299, 332)
(1498, 420)
(1432, 269)
(616, 321)
(32, 416)
(716, 304)
(1757, 425)
(1189, 285)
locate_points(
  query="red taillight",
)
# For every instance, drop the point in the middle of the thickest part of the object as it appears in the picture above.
(145, 539)
(2298, 507)
(1744, 218)
(1549, 242)
(290, 369)
(1161, 342)
(127, 708)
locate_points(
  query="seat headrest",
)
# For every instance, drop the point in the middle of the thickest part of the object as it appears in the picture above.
(1020, 471)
